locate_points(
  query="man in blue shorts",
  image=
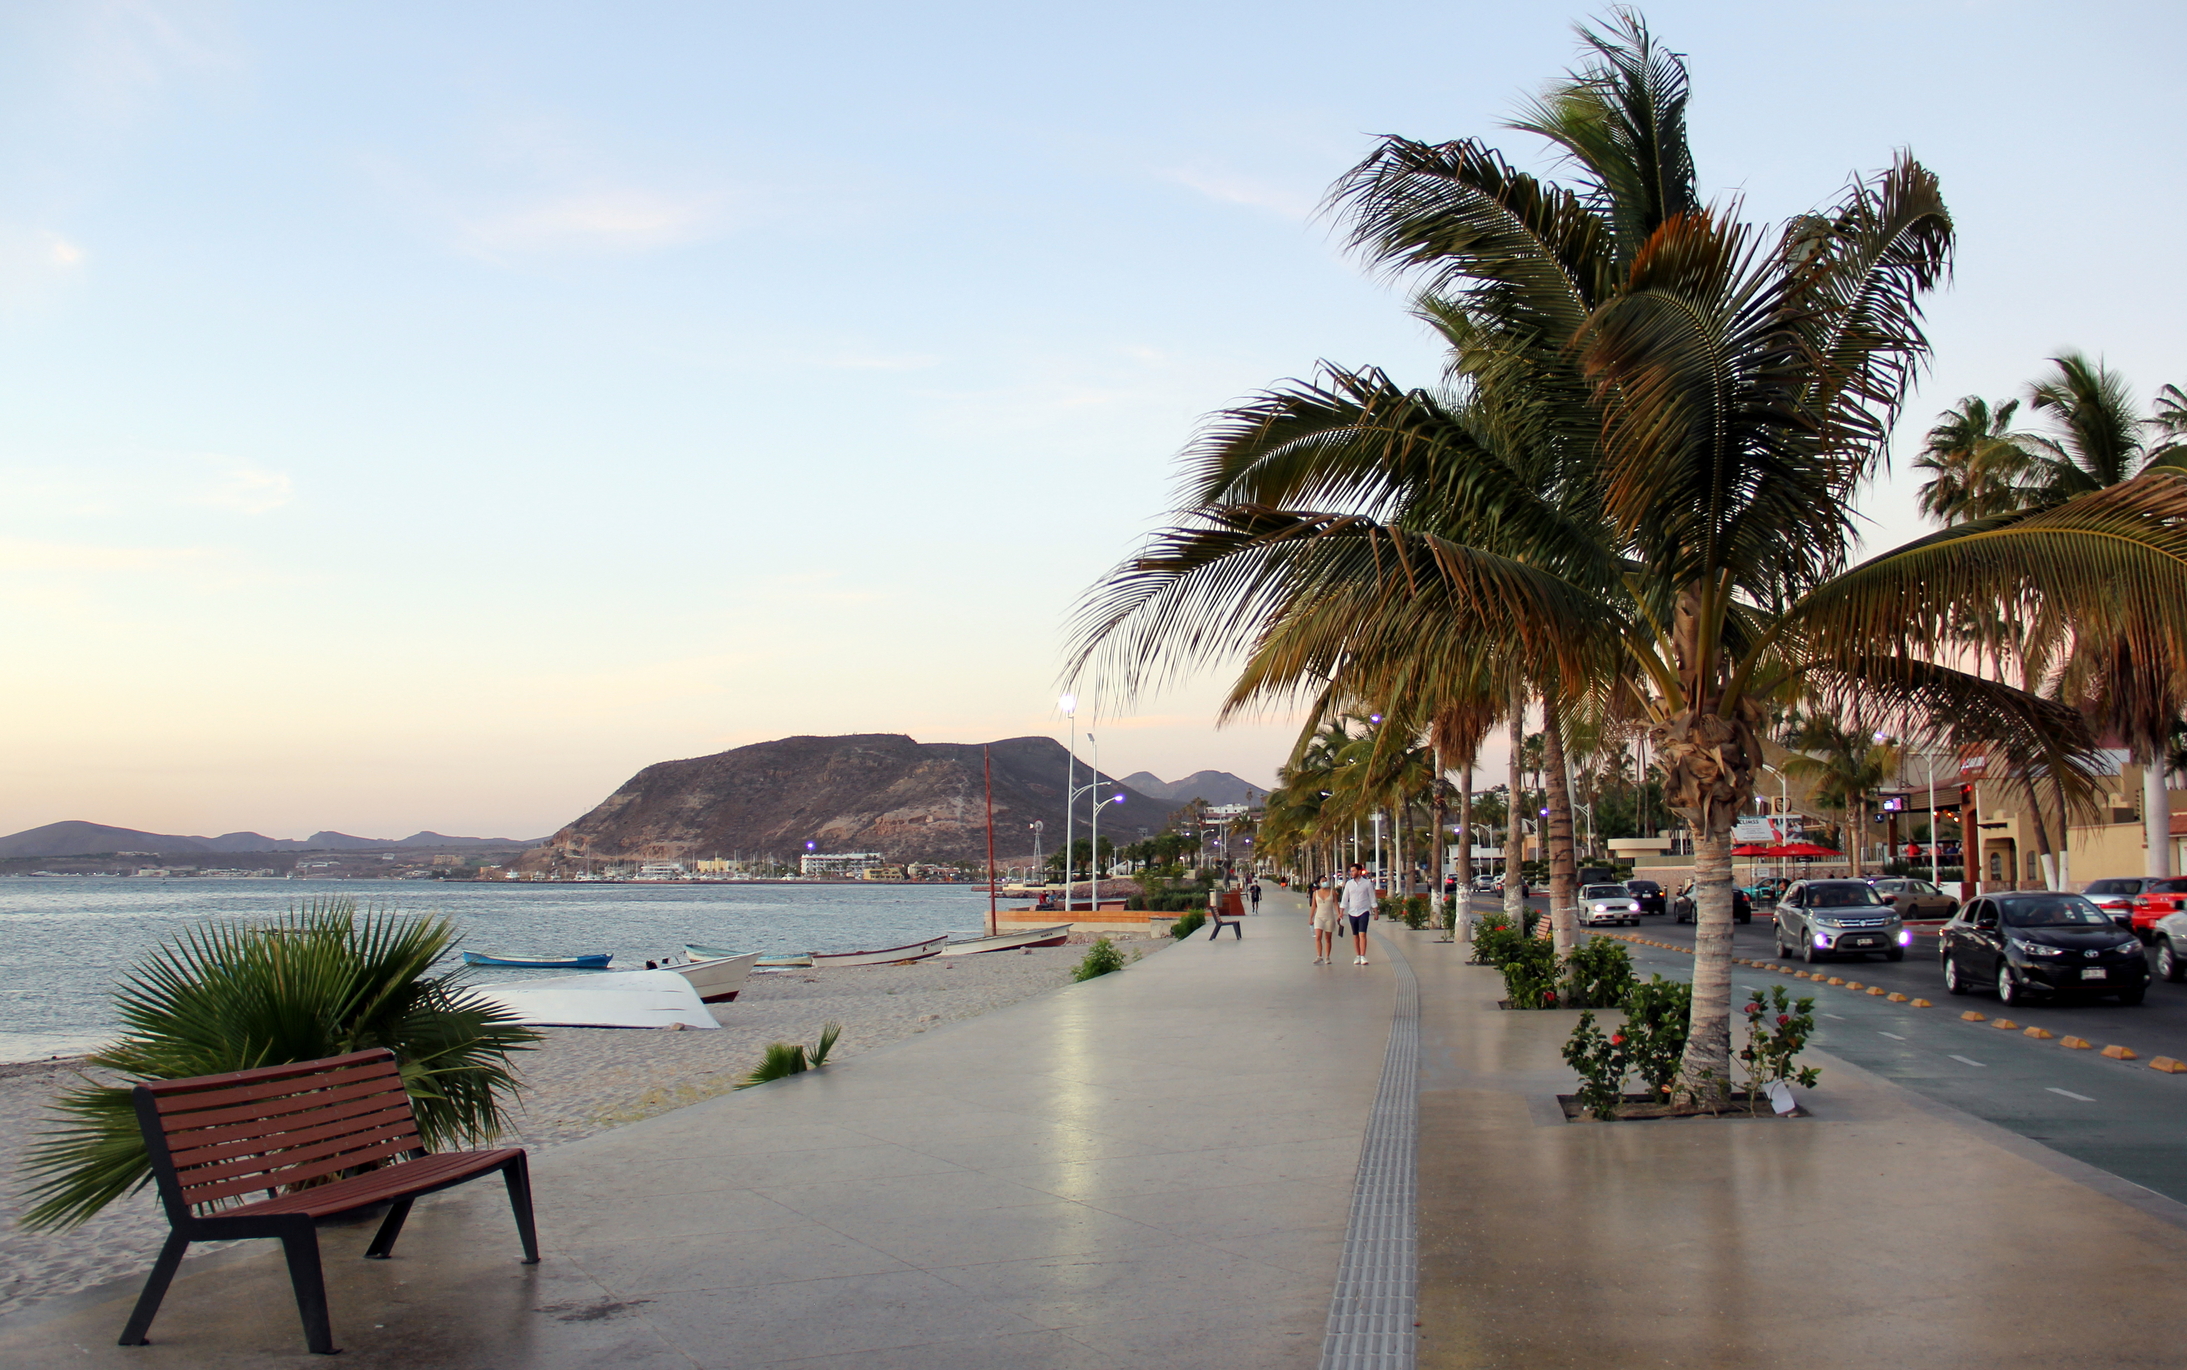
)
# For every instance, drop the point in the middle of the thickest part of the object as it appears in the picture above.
(1357, 903)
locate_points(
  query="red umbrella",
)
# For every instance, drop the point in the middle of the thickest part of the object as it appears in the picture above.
(1798, 849)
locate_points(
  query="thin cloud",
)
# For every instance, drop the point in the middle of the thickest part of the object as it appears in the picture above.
(1232, 188)
(243, 488)
(611, 221)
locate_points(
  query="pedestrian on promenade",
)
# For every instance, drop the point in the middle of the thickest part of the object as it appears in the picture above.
(1326, 921)
(1253, 894)
(1358, 902)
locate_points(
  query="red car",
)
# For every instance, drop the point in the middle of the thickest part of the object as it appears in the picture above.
(2162, 899)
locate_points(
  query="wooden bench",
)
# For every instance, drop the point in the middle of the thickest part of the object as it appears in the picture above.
(1224, 911)
(300, 1128)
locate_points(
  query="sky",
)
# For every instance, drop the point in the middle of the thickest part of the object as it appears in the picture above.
(425, 416)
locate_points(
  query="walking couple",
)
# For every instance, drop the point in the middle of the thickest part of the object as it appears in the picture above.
(1353, 903)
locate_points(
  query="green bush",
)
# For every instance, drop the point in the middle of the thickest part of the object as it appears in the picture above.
(1600, 1059)
(1495, 941)
(234, 995)
(1101, 958)
(1530, 975)
(1450, 913)
(1188, 925)
(1599, 972)
(1649, 1044)
(783, 1059)
(1416, 911)
(1776, 1031)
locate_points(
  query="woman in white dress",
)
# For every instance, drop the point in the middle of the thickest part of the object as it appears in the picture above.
(1326, 920)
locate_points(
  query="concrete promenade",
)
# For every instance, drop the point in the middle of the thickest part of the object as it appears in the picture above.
(1153, 1168)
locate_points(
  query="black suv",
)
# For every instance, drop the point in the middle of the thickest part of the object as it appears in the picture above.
(2036, 942)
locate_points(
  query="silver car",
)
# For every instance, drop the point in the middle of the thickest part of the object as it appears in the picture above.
(1826, 918)
(1613, 904)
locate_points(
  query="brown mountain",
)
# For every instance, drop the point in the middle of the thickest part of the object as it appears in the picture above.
(882, 792)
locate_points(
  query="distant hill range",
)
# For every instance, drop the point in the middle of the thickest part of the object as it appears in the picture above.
(76, 838)
(878, 792)
(1216, 787)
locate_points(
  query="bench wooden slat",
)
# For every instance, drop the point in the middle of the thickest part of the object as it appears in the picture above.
(271, 1090)
(285, 1153)
(293, 1069)
(383, 1150)
(188, 1136)
(391, 1183)
(270, 1113)
(257, 1143)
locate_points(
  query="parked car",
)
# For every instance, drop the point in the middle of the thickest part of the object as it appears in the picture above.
(1916, 899)
(1488, 884)
(1613, 904)
(1682, 907)
(2116, 896)
(2171, 944)
(1825, 918)
(1649, 893)
(2159, 899)
(2038, 942)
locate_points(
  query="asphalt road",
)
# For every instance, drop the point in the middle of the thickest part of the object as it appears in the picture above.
(2119, 1115)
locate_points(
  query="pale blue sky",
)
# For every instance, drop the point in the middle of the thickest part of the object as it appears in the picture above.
(425, 415)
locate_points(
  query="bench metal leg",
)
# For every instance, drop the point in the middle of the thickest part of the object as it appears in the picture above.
(518, 1173)
(155, 1289)
(383, 1241)
(301, 1246)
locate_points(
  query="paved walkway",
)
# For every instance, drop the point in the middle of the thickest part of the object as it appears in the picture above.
(1154, 1168)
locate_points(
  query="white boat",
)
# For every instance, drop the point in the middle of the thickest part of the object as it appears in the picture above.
(910, 951)
(794, 961)
(615, 998)
(1011, 941)
(718, 979)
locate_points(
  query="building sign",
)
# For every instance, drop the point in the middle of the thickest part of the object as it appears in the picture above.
(1760, 831)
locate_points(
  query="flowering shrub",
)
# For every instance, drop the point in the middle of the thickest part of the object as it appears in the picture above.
(1601, 1060)
(1598, 973)
(1648, 1045)
(1777, 1028)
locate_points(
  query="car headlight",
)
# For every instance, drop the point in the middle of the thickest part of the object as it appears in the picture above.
(2127, 946)
(2035, 948)
(1905, 939)
(1822, 921)
(1821, 941)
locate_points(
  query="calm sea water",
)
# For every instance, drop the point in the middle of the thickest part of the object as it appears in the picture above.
(65, 941)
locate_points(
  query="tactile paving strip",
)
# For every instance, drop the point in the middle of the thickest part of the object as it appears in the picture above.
(1371, 1313)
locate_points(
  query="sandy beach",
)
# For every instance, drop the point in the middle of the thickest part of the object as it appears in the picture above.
(580, 1081)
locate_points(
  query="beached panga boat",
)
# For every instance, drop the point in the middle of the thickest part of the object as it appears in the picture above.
(910, 951)
(718, 979)
(1011, 941)
(618, 998)
(797, 960)
(595, 961)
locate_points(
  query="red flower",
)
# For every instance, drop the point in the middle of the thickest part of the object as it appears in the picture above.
(1754, 1008)
(1783, 1019)
(1617, 1039)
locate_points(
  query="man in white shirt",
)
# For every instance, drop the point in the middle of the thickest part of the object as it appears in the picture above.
(1357, 902)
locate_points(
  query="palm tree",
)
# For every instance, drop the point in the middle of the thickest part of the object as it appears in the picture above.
(1976, 462)
(2098, 440)
(1637, 481)
(1844, 765)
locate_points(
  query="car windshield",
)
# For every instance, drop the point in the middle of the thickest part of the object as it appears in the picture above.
(2111, 887)
(1841, 897)
(1890, 886)
(1643, 887)
(1604, 892)
(2053, 911)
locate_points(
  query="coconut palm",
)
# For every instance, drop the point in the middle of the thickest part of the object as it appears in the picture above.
(1637, 481)
(1976, 463)
(235, 995)
(2098, 440)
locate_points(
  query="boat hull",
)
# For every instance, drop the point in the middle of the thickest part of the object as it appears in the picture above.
(886, 956)
(596, 962)
(700, 952)
(718, 979)
(1011, 941)
(618, 998)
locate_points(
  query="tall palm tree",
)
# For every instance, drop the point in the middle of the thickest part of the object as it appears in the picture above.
(2098, 440)
(1976, 463)
(1637, 482)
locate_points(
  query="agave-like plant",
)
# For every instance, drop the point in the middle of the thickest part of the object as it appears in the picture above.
(235, 994)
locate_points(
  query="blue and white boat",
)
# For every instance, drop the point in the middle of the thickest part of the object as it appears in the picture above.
(597, 961)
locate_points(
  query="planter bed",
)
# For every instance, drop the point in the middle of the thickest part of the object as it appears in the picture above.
(1640, 1108)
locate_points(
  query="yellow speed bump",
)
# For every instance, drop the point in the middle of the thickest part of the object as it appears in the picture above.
(1920, 1003)
(1897, 998)
(1878, 990)
(1834, 980)
(1971, 1016)
(2119, 1053)
(2039, 1034)
(2074, 1043)
(1851, 984)
(2167, 1065)
(2005, 1024)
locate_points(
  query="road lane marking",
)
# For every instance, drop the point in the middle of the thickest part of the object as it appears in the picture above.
(1968, 1060)
(1892, 1035)
(2069, 1094)
(1839, 1017)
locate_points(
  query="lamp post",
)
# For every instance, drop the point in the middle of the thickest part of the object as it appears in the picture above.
(1036, 825)
(1378, 876)
(1069, 704)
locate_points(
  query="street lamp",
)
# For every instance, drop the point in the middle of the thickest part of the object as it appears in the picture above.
(1378, 875)
(1037, 826)
(1069, 705)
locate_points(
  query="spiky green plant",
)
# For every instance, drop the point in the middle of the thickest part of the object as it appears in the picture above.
(781, 1060)
(235, 994)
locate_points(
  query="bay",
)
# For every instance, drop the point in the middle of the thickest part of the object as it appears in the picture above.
(66, 941)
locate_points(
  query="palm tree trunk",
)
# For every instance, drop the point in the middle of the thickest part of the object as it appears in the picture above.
(1514, 844)
(1563, 865)
(1465, 830)
(2156, 815)
(1705, 1073)
(1855, 835)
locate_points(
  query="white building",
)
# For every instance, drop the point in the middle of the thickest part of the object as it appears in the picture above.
(837, 865)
